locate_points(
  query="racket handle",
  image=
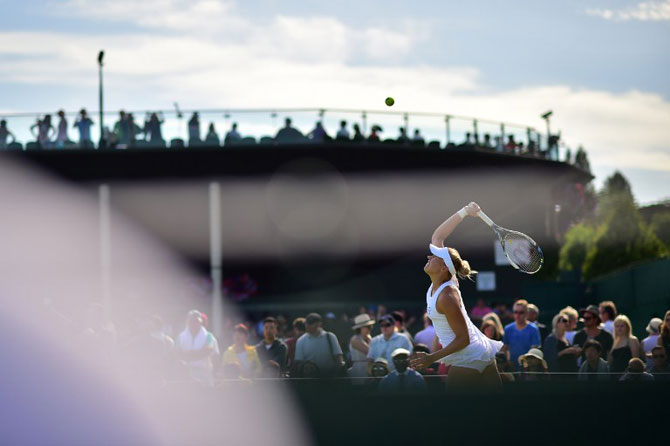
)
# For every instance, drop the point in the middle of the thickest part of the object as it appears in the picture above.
(486, 218)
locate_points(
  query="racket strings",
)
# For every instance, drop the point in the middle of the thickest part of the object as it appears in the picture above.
(523, 252)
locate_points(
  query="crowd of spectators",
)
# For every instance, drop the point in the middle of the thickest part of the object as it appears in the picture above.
(128, 132)
(374, 348)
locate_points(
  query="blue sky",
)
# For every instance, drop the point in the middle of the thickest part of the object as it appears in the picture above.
(602, 66)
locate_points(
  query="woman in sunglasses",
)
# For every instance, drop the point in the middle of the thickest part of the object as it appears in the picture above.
(560, 356)
(467, 350)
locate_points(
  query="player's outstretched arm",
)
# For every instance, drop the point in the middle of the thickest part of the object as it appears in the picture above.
(448, 226)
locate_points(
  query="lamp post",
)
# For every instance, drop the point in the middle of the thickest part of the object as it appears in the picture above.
(102, 144)
(546, 116)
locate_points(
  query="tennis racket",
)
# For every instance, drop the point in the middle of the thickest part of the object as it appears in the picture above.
(521, 251)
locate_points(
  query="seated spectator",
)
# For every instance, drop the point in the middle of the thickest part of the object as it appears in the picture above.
(533, 314)
(594, 368)
(560, 356)
(242, 353)
(197, 347)
(4, 134)
(374, 133)
(270, 349)
(83, 124)
(212, 137)
(298, 330)
(636, 372)
(320, 347)
(417, 138)
(573, 316)
(426, 335)
(607, 315)
(520, 336)
(659, 367)
(487, 144)
(533, 366)
(387, 341)
(480, 309)
(307, 369)
(468, 143)
(402, 137)
(402, 379)
(288, 133)
(232, 136)
(493, 317)
(491, 330)
(318, 134)
(359, 345)
(591, 330)
(651, 341)
(343, 133)
(505, 369)
(511, 145)
(194, 127)
(379, 368)
(358, 135)
(625, 346)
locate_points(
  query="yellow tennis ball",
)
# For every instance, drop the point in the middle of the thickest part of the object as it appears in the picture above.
(389, 101)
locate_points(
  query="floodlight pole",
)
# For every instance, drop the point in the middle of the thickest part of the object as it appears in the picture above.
(215, 253)
(102, 143)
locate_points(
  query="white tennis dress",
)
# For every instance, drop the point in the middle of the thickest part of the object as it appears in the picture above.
(479, 353)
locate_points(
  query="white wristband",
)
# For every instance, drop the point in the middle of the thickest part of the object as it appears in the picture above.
(463, 213)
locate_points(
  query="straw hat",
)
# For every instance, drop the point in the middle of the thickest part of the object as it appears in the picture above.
(362, 320)
(535, 353)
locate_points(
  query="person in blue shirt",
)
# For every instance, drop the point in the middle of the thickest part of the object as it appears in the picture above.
(402, 379)
(384, 344)
(520, 336)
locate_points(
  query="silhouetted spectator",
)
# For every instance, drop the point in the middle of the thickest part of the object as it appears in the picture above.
(533, 313)
(242, 353)
(45, 131)
(651, 341)
(511, 145)
(4, 134)
(318, 134)
(426, 335)
(468, 143)
(288, 133)
(152, 128)
(133, 129)
(402, 379)
(232, 135)
(520, 336)
(194, 127)
(625, 345)
(591, 330)
(271, 349)
(636, 372)
(212, 137)
(417, 138)
(402, 137)
(374, 133)
(121, 129)
(343, 133)
(560, 356)
(608, 313)
(358, 135)
(387, 341)
(487, 144)
(83, 124)
(61, 135)
(594, 368)
(320, 347)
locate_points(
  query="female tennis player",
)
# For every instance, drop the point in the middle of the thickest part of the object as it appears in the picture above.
(469, 352)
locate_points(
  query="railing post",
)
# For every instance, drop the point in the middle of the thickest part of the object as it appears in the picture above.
(475, 135)
(446, 121)
(502, 134)
(364, 117)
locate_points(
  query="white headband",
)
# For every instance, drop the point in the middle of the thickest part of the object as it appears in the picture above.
(443, 253)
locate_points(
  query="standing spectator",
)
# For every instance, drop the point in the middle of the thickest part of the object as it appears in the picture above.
(402, 379)
(197, 347)
(533, 366)
(242, 354)
(625, 346)
(636, 371)
(387, 341)
(399, 319)
(152, 128)
(298, 330)
(233, 135)
(319, 347)
(4, 134)
(533, 314)
(573, 316)
(318, 134)
(664, 335)
(288, 133)
(520, 336)
(359, 345)
(426, 335)
(270, 349)
(594, 368)
(651, 341)
(591, 330)
(504, 315)
(607, 315)
(659, 367)
(491, 330)
(120, 129)
(511, 145)
(133, 130)
(487, 144)
(480, 310)
(560, 356)
(61, 135)
(358, 135)
(417, 138)
(45, 131)
(194, 127)
(343, 133)
(402, 137)
(83, 124)
(212, 137)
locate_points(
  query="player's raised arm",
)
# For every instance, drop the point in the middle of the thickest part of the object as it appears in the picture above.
(448, 226)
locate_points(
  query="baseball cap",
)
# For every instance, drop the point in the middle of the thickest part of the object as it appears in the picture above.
(312, 318)
(399, 351)
(593, 309)
(387, 318)
(654, 325)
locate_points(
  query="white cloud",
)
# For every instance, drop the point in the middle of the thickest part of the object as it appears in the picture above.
(644, 11)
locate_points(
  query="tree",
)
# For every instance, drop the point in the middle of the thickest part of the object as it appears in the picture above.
(578, 240)
(660, 226)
